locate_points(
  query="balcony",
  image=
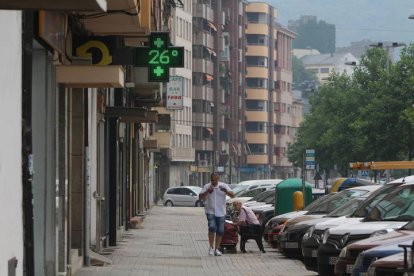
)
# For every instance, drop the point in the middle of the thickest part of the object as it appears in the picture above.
(257, 138)
(202, 119)
(257, 50)
(69, 5)
(202, 38)
(257, 116)
(204, 11)
(204, 145)
(257, 94)
(257, 159)
(282, 118)
(257, 29)
(136, 23)
(181, 154)
(257, 72)
(164, 139)
(203, 65)
(203, 93)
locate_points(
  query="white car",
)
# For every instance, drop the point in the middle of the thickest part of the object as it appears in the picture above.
(182, 196)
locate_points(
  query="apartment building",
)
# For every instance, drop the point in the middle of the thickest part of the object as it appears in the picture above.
(174, 129)
(268, 95)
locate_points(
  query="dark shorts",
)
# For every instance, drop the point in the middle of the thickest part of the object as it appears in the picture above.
(216, 224)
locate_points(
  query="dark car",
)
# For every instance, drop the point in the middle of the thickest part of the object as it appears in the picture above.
(367, 256)
(313, 238)
(290, 238)
(275, 224)
(296, 232)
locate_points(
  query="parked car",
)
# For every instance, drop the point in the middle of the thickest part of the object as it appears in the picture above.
(182, 196)
(392, 265)
(290, 237)
(391, 213)
(357, 256)
(313, 237)
(275, 224)
(252, 184)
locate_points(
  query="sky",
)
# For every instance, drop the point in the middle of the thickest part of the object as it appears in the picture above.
(355, 20)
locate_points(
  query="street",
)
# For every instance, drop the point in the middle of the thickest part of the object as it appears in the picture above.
(173, 241)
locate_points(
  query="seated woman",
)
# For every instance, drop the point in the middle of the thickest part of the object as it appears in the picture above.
(249, 226)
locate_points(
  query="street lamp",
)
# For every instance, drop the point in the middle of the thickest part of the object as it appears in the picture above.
(411, 16)
(389, 48)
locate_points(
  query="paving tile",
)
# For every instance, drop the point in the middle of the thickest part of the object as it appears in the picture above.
(173, 241)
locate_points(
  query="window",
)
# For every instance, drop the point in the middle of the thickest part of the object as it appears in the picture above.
(324, 70)
(256, 61)
(256, 105)
(256, 83)
(255, 39)
(256, 17)
(258, 127)
(258, 148)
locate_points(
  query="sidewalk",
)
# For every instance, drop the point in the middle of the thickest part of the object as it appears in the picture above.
(173, 241)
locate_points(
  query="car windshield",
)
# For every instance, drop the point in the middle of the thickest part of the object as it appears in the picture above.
(261, 196)
(240, 189)
(336, 201)
(317, 201)
(363, 210)
(348, 208)
(251, 193)
(270, 199)
(396, 206)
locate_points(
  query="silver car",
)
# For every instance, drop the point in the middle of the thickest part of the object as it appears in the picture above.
(182, 196)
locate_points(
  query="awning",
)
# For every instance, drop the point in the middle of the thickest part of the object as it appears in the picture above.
(90, 76)
(70, 5)
(209, 130)
(211, 24)
(133, 19)
(209, 77)
(211, 51)
(131, 114)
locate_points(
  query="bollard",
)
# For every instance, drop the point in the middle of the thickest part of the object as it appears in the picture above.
(298, 201)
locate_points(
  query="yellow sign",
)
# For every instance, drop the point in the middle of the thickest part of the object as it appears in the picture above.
(84, 51)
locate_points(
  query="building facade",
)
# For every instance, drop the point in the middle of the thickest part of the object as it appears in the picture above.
(268, 102)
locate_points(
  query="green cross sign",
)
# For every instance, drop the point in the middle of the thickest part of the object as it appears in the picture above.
(159, 56)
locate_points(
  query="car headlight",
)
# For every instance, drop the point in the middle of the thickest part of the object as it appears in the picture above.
(309, 232)
(344, 239)
(325, 236)
(381, 232)
(343, 253)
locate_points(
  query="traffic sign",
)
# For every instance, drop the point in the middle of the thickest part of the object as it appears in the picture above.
(310, 159)
(159, 57)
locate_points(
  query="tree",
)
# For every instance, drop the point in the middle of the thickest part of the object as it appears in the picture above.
(299, 73)
(366, 117)
(314, 34)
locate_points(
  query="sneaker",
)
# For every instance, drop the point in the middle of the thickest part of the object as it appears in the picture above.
(217, 252)
(211, 251)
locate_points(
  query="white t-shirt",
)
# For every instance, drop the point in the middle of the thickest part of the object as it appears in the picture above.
(216, 201)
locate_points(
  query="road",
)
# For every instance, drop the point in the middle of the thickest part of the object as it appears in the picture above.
(173, 241)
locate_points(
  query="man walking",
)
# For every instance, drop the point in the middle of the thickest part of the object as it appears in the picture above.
(214, 196)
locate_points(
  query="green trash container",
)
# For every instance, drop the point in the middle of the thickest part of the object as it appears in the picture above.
(284, 194)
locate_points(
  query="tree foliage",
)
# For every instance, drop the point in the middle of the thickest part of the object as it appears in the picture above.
(315, 35)
(299, 73)
(366, 117)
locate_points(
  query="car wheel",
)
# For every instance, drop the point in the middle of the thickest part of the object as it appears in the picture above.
(198, 203)
(169, 203)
